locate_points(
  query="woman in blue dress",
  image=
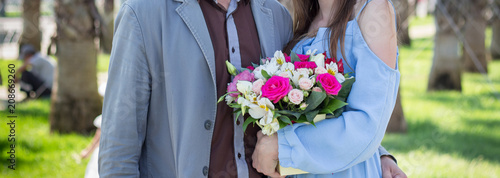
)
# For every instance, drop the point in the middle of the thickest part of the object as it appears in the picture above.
(363, 34)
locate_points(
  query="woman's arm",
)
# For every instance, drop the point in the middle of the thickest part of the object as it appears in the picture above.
(334, 145)
(378, 26)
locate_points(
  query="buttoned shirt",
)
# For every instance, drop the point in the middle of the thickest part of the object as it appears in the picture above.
(234, 38)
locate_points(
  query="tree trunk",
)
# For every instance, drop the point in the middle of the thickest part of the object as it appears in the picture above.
(75, 100)
(31, 20)
(446, 71)
(106, 35)
(495, 42)
(288, 4)
(397, 122)
(2, 8)
(403, 14)
(474, 33)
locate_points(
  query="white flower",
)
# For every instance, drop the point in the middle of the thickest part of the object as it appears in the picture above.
(287, 67)
(263, 109)
(244, 104)
(319, 59)
(271, 128)
(340, 77)
(258, 73)
(298, 74)
(272, 68)
(286, 74)
(244, 87)
(332, 68)
(229, 99)
(279, 57)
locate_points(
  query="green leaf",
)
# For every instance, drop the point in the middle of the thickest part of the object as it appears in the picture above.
(294, 58)
(346, 89)
(238, 113)
(333, 105)
(255, 65)
(223, 96)
(314, 100)
(338, 112)
(265, 74)
(311, 115)
(248, 121)
(290, 113)
(234, 105)
(285, 119)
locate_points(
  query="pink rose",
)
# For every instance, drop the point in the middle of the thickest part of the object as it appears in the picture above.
(232, 88)
(287, 58)
(257, 86)
(251, 68)
(244, 76)
(309, 65)
(276, 88)
(320, 70)
(285, 74)
(296, 96)
(317, 89)
(329, 83)
(305, 83)
(303, 57)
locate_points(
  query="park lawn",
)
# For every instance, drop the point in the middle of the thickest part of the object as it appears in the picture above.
(450, 134)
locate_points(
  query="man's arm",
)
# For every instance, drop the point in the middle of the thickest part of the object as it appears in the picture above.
(126, 100)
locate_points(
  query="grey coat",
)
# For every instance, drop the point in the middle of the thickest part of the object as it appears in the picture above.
(160, 101)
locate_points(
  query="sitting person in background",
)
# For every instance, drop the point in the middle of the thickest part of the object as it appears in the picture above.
(37, 72)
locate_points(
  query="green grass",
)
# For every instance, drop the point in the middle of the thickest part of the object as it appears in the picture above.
(19, 13)
(450, 134)
(38, 152)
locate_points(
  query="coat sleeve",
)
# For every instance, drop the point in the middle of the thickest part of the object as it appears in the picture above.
(336, 144)
(126, 100)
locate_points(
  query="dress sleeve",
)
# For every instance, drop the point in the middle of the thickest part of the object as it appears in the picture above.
(336, 144)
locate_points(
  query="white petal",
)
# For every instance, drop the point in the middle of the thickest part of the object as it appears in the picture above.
(256, 111)
(340, 77)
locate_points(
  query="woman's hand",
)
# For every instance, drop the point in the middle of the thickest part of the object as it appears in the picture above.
(265, 155)
(390, 169)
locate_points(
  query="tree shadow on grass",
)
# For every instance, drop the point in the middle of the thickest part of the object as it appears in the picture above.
(426, 134)
(466, 102)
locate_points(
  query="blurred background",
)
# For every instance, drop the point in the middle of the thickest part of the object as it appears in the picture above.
(446, 122)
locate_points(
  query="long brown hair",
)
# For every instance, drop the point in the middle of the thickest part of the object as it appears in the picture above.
(304, 13)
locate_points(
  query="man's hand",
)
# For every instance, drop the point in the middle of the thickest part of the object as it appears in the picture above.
(390, 169)
(265, 155)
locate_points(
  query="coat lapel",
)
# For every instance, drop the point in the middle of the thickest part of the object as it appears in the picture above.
(265, 27)
(191, 14)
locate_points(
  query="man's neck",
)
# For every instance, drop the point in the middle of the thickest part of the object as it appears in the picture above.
(224, 3)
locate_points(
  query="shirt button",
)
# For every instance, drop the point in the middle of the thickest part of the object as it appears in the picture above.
(205, 171)
(239, 155)
(208, 124)
(238, 122)
(233, 49)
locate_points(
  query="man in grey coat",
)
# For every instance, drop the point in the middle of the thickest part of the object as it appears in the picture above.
(160, 116)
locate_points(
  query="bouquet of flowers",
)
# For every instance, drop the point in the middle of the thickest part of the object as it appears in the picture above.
(284, 90)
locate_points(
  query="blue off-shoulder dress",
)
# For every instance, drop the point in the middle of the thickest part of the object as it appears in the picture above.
(345, 146)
